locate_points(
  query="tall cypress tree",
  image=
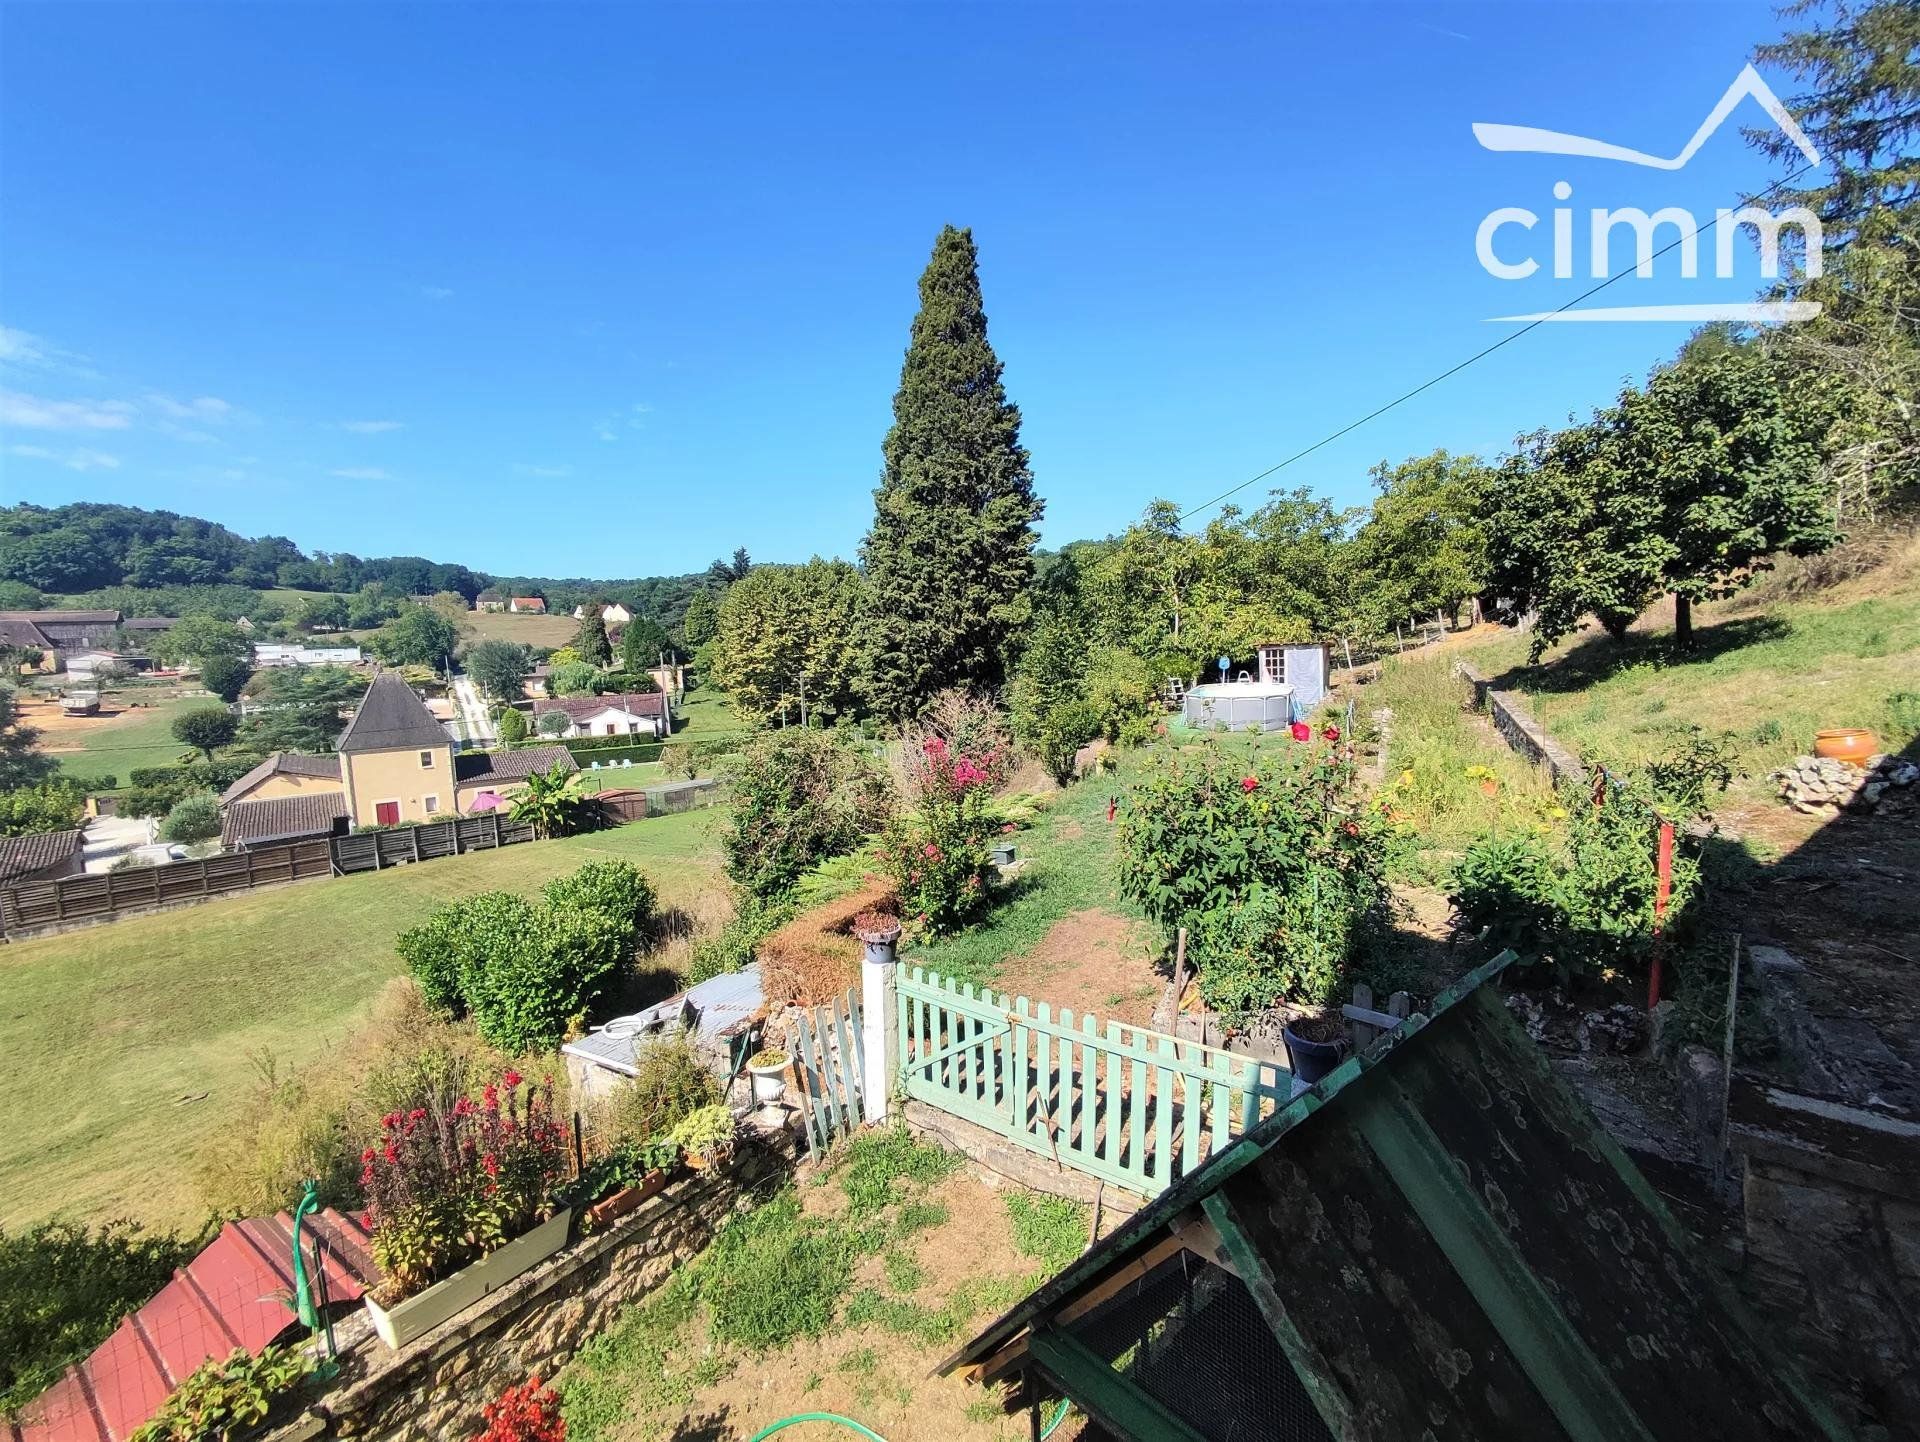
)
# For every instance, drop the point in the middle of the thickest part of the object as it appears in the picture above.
(950, 556)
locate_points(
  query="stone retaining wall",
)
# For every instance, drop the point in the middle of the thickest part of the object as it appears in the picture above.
(1514, 721)
(434, 1387)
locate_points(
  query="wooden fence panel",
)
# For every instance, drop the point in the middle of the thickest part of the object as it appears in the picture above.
(142, 888)
(376, 850)
(1134, 1107)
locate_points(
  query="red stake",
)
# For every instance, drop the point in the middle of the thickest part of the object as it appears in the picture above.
(1113, 805)
(1662, 893)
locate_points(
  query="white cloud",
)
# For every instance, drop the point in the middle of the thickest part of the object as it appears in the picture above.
(39, 413)
(371, 428)
(634, 418)
(208, 410)
(361, 473)
(79, 459)
(545, 473)
(20, 350)
(436, 292)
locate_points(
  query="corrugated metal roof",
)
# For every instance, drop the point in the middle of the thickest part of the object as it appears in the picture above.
(714, 1008)
(237, 1293)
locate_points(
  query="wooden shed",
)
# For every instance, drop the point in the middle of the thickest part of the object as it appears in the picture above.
(1437, 1241)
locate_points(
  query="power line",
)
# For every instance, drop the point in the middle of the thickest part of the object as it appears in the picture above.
(1476, 357)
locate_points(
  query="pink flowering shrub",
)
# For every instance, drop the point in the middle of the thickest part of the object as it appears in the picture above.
(450, 1180)
(936, 850)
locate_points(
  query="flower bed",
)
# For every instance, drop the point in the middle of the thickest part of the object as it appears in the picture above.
(460, 1200)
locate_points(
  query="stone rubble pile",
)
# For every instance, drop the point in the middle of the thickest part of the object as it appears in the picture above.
(1822, 787)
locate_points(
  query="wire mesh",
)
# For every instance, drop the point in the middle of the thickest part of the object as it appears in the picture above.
(1191, 1336)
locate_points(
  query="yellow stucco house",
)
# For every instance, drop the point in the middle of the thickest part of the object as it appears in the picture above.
(396, 760)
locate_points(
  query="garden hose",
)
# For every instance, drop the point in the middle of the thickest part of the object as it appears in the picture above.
(786, 1422)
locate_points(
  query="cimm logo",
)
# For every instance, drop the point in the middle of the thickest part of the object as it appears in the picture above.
(1511, 257)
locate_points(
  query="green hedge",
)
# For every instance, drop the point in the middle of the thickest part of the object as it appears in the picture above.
(603, 748)
(215, 777)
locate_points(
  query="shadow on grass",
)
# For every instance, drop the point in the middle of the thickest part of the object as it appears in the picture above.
(1598, 657)
(705, 1427)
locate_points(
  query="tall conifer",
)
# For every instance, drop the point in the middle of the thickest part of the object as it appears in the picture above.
(950, 556)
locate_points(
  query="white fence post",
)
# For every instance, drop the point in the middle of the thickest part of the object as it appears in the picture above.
(879, 1001)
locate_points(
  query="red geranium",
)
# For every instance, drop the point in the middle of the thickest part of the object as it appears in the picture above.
(527, 1413)
(1249, 783)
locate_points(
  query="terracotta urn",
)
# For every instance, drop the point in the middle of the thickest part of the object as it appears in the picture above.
(1853, 744)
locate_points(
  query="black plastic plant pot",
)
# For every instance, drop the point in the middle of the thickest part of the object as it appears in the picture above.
(1312, 1059)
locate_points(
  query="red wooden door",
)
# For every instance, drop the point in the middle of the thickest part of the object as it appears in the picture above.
(386, 813)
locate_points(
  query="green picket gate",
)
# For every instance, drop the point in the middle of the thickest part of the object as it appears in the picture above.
(1130, 1106)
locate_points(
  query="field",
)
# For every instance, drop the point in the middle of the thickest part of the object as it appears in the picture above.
(91, 748)
(552, 631)
(128, 1044)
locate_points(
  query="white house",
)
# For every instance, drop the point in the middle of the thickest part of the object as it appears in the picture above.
(287, 655)
(612, 612)
(632, 714)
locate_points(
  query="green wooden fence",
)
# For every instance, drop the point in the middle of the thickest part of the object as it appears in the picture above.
(1134, 1107)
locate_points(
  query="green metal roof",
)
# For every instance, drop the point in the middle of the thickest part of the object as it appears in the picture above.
(1441, 1242)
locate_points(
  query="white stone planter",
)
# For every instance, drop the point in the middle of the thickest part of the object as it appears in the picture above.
(425, 1310)
(769, 1084)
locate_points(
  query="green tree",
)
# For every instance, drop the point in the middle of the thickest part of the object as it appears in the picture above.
(1734, 463)
(322, 613)
(200, 638)
(702, 620)
(206, 728)
(419, 636)
(799, 797)
(225, 676)
(193, 818)
(591, 639)
(950, 556)
(512, 726)
(643, 643)
(788, 634)
(54, 805)
(1424, 546)
(573, 678)
(500, 667)
(20, 764)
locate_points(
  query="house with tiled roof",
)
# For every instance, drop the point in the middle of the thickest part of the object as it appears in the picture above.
(42, 856)
(528, 605)
(487, 780)
(396, 759)
(279, 820)
(490, 600)
(286, 773)
(627, 714)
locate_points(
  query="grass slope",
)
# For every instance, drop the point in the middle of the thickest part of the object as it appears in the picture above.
(123, 1046)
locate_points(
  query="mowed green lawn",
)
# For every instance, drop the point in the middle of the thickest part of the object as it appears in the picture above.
(115, 746)
(124, 1046)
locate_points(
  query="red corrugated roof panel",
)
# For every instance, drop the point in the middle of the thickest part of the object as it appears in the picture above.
(237, 1293)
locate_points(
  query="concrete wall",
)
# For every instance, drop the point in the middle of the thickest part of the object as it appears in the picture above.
(434, 1387)
(1514, 720)
(376, 776)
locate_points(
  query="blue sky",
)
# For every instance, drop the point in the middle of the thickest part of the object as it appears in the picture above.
(610, 290)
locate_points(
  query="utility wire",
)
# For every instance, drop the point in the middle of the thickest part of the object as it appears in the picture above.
(1473, 359)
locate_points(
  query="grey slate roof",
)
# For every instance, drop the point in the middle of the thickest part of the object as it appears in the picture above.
(391, 718)
(15, 631)
(23, 855)
(517, 765)
(147, 623)
(283, 763)
(282, 818)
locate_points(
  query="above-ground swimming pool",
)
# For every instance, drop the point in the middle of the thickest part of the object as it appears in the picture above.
(1239, 706)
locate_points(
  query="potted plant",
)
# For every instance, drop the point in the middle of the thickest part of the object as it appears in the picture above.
(460, 1202)
(706, 1135)
(620, 1181)
(768, 1069)
(879, 932)
(1316, 1044)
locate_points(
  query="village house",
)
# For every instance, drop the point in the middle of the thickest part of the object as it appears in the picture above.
(276, 654)
(395, 759)
(43, 856)
(528, 606)
(286, 773)
(612, 612)
(490, 601)
(58, 632)
(629, 714)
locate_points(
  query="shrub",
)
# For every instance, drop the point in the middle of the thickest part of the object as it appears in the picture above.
(193, 818)
(227, 1398)
(554, 723)
(754, 920)
(452, 1178)
(706, 1131)
(1061, 731)
(573, 678)
(937, 850)
(670, 1083)
(54, 805)
(64, 1287)
(679, 759)
(1120, 688)
(615, 889)
(527, 1413)
(525, 970)
(800, 796)
(1269, 858)
(512, 726)
(156, 800)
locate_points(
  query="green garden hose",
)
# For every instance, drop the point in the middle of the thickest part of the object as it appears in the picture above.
(786, 1422)
(865, 1431)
